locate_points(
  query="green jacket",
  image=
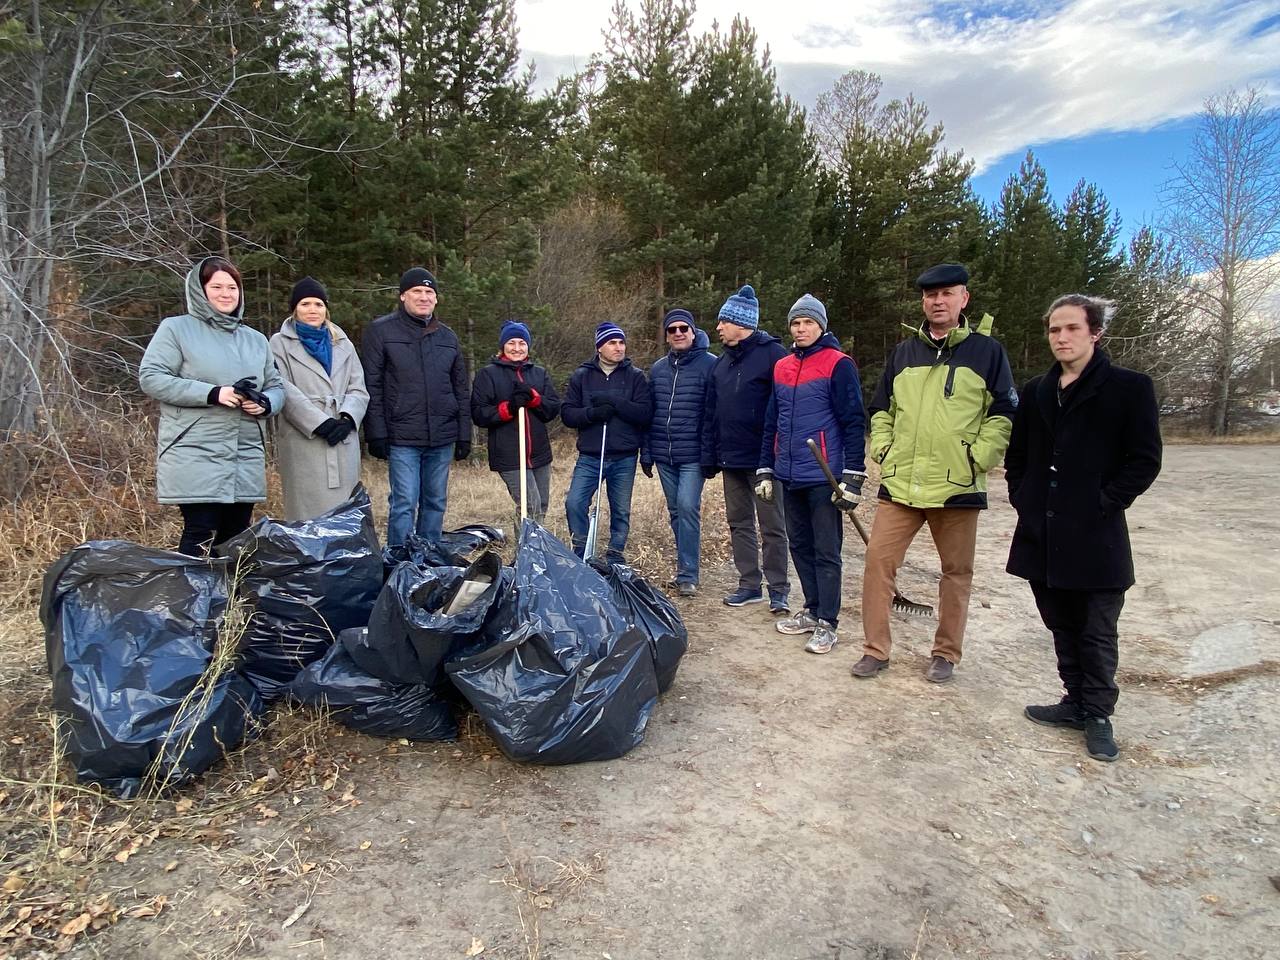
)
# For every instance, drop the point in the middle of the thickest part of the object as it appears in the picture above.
(941, 417)
(208, 453)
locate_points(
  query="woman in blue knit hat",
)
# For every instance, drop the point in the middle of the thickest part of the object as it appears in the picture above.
(509, 382)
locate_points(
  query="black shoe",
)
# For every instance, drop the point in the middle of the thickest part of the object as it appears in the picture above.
(1057, 715)
(940, 670)
(1098, 740)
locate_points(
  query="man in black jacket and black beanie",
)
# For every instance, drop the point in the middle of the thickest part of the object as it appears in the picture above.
(1085, 445)
(419, 417)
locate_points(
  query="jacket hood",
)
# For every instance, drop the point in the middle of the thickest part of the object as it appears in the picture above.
(198, 304)
(826, 340)
(701, 344)
(954, 336)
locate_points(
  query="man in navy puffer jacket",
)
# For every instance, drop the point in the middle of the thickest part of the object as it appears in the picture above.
(741, 385)
(678, 383)
(816, 395)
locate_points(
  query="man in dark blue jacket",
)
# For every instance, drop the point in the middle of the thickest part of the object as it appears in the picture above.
(678, 383)
(816, 395)
(419, 417)
(608, 403)
(737, 399)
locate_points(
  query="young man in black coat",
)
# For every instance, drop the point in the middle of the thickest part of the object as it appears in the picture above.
(1085, 445)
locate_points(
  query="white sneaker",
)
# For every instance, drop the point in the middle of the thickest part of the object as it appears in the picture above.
(802, 622)
(823, 639)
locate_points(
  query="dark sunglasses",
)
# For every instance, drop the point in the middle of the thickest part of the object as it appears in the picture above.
(678, 328)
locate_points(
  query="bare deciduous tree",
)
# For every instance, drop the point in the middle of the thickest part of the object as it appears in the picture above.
(122, 125)
(1223, 213)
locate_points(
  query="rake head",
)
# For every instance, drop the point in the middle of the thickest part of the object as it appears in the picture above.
(910, 607)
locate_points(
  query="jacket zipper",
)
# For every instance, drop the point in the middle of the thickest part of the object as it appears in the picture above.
(671, 451)
(792, 426)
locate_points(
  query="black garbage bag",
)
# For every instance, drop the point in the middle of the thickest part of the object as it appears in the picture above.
(416, 623)
(573, 681)
(370, 705)
(451, 550)
(309, 580)
(653, 612)
(129, 634)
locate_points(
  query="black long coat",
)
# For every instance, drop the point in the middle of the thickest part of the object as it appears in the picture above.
(1073, 471)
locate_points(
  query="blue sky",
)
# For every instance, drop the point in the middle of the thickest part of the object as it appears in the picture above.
(1104, 90)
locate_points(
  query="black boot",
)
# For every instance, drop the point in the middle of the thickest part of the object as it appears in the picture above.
(1098, 739)
(1065, 714)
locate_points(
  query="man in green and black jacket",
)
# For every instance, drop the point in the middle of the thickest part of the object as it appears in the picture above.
(940, 420)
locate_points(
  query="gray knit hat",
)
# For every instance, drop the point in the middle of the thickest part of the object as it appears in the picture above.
(811, 307)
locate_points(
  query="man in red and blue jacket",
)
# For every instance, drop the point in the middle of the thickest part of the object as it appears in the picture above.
(816, 395)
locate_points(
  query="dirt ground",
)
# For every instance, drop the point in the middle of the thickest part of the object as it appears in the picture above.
(780, 809)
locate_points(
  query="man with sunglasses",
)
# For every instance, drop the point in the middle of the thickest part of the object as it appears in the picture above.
(678, 383)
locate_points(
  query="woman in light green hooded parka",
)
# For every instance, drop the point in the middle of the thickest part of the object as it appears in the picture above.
(217, 382)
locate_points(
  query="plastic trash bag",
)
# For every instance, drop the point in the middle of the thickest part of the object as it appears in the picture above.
(571, 681)
(129, 634)
(451, 550)
(410, 633)
(653, 612)
(370, 705)
(309, 581)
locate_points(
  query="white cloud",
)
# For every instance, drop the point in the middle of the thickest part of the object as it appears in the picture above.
(998, 75)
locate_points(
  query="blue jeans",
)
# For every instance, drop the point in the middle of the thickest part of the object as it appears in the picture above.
(619, 476)
(682, 486)
(419, 478)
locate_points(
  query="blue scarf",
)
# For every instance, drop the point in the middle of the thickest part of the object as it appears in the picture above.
(317, 342)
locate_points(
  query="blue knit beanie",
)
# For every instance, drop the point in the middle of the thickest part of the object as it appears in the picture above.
(811, 307)
(742, 308)
(676, 315)
(609, 331)
(510, 331)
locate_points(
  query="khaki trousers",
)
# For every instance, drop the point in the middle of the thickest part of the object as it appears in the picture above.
(955, 534)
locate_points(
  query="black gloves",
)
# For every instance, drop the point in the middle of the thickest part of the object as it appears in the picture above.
(379, 449)
(647, 468)
(247, 389)
(333, 432)
(461, 449)
(521, 396)
(709, 471)
(602, 409)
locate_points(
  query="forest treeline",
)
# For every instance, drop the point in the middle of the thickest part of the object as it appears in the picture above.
(349, 139)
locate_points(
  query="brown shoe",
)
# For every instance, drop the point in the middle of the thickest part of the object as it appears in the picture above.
(868, 667)
(940, 670)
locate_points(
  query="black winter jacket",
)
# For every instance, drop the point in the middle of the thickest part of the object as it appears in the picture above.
(490, 408)
(1073, 471)
(629, 391)
(417, 382)
(741, 385)
(679, 383)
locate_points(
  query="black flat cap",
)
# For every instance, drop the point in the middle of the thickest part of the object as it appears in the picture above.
(943, 275)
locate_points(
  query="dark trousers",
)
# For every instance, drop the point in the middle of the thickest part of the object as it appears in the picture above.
(211, 523)
(1083, 624)
(816, 531)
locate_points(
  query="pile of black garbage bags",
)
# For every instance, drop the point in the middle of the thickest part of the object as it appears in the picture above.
(162, 663)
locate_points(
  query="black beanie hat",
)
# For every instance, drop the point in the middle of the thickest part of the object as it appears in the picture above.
(417, 277)
(307, 287)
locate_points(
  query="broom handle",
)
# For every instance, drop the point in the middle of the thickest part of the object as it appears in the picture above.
(835, 485)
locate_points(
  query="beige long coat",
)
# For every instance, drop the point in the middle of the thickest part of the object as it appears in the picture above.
(317, 477)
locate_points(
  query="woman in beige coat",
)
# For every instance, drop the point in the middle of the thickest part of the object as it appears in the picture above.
(317, 445)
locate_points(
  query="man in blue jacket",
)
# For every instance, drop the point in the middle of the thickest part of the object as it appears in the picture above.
(678, 383)
(816, 395)
(737, 399)
(419, 417)
(607, 391)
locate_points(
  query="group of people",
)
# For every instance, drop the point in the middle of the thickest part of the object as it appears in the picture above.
(785, 428)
